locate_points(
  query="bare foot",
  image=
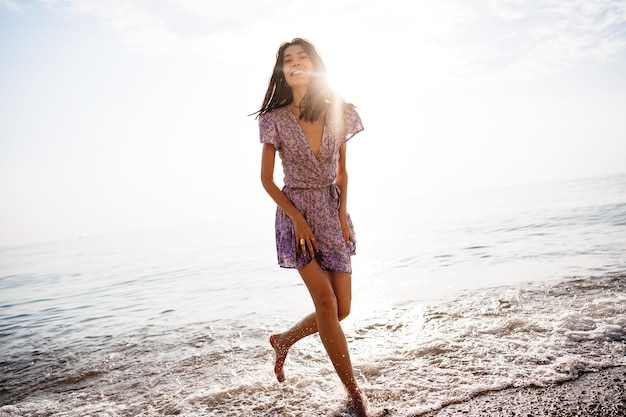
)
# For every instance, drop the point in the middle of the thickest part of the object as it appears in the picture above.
(358, 406)
(281, 354)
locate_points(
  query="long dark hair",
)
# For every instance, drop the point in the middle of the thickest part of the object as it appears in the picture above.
(319, 95)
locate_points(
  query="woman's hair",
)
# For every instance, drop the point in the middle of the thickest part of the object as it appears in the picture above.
(319, 94)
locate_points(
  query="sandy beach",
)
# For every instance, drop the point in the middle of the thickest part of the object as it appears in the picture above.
(598, 394)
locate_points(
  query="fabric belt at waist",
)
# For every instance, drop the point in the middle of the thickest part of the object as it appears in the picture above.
(322, 187)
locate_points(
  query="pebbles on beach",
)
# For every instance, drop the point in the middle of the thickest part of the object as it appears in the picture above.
(597, 394)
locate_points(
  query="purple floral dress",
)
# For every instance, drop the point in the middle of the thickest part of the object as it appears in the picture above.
(309, 185)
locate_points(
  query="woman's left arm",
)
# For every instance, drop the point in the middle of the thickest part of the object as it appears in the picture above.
(342, 182)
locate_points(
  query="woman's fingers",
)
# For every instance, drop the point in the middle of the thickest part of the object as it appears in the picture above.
(307, 244)
(302, 246)
(305, 241)
(312, 246)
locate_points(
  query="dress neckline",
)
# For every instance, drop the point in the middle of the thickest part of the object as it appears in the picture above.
(303, 135)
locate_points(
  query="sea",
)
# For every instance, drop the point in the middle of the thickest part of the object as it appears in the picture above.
(454, 295)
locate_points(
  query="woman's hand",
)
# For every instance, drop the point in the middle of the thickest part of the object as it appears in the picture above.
(343, 218)
(304, 236)
(301, 227)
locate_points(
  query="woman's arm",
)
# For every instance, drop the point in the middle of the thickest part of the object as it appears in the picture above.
(267, 179)
(342, 182)
(301, 227)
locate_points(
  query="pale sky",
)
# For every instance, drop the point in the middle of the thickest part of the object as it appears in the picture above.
(131, 114)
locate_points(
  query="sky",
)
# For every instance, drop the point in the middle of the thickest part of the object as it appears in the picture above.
(129, 114)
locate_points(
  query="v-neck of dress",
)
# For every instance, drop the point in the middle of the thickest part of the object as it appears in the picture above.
(306, 140)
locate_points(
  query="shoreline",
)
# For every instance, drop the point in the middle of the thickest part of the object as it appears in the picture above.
(597, 394)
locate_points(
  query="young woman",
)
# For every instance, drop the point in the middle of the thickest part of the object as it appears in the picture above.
(309, 126)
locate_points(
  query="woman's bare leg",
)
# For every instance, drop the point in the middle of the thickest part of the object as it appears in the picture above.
(330, 331)
(281, 342)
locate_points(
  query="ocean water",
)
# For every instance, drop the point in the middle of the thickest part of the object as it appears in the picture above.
(454, 296)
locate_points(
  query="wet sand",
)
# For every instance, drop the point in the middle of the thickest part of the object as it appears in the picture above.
(597, 394)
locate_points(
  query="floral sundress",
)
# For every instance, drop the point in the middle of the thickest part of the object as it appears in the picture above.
(309, 185)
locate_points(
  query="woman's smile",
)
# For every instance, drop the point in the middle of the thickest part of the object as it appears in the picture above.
(297, 66)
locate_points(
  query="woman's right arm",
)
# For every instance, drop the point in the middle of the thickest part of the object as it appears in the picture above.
(301, 227)
(267, 178)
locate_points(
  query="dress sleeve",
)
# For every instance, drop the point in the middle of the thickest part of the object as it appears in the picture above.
(267, 131)
(352, 123)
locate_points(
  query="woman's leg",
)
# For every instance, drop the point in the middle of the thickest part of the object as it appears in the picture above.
(322, 292)
(342, 287)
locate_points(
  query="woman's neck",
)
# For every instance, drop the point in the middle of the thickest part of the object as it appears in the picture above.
(298, 96)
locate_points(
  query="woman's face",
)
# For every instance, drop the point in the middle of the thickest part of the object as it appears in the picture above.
(297, 66)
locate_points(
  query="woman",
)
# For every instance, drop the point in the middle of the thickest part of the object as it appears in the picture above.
(308, 125)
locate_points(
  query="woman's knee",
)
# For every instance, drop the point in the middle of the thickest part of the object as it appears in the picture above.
(342, 286)
(343, 309)
(326, 304)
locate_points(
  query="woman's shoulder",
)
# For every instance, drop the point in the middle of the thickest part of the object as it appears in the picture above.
(349, 122)
(350, 111)
(271, 124)
(348, 107)
(343, 110)
(273, 115)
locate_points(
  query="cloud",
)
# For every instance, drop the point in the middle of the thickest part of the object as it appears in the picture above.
(521, 39)
(11, 5)
(133, 21)
(155, 26)
(458, 40)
